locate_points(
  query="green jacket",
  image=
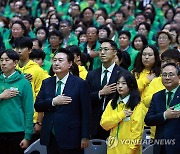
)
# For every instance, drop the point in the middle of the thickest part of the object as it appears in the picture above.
(133, 53)
(72, 40)
(93, 63)
(16, 113)
(47, 65)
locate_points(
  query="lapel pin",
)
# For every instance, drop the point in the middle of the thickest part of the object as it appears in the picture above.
(177, 96)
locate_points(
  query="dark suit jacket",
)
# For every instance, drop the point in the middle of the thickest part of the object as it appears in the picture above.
(71, 122)
(94, 80)
(165, 129)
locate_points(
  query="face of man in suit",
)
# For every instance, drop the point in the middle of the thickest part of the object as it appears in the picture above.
(107, 54)
(170, 78)
(61, 65)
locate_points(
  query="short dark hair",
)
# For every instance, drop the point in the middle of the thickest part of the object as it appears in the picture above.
(11, 54)
(125, 32)
(126, 60)
(97, 29)
(171, 64)
(120, 12)
(105, 28)
(70, 56)
(172, 54)
(22, 26)
(39, 42)
(67, 22)
(145, 24)
(111, 42)
(87, 8)
(139, 14)
(74, 49)
(56, 33)
(27, 18)
(23, 42)
(37, 53)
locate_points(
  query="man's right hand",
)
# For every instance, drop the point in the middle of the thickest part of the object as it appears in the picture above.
(8, 93)
(108, 89)
(171, 114)
(62, 100)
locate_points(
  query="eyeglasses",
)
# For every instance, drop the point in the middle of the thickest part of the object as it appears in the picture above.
(163, 38)
(105, 49)
(165, 75)
(54, 38)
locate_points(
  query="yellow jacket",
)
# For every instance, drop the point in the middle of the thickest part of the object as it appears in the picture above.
(38, 75)
(82, 72)
(142, 82)
(130, 132)
(155, 86)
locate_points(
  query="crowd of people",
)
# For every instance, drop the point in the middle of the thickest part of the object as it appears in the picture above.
(75, 70)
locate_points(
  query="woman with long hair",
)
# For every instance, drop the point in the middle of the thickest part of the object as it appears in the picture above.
(124, 117)
(147, 68)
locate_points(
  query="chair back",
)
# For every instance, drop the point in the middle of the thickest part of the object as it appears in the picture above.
(148, 150)
(36, 147)
(96, 146)
(146, 140)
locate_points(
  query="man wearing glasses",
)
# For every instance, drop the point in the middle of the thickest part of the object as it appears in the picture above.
(164, 112)
(102, 82)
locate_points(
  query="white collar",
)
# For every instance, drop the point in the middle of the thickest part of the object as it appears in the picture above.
(124, 100)
(110, 69)
(9, 75)
(63, 80)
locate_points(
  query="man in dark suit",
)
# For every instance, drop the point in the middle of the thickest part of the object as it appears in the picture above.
(65, 101)
(165, 114)
(102, 83)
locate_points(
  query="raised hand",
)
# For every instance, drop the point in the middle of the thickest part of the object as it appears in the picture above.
(8, 93)
(62, 100)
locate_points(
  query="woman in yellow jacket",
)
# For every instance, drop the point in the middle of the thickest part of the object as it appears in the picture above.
(124, 117)
(147, 68)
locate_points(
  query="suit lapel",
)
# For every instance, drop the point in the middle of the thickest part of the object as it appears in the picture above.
(69, 84)
(113, 77)
(163, 100)
(53, 86)
(176, 98)
(98, 78)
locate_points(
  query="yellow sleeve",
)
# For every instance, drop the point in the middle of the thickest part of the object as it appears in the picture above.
(40, 76)
(142, 83)
(82, 72)
(137, 127)
(111, 118)
(155, 86)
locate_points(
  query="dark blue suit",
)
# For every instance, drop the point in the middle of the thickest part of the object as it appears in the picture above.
(94, 80)
(71, 122)
(165, 129)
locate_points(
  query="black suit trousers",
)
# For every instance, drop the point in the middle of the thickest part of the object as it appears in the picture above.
(52, 148)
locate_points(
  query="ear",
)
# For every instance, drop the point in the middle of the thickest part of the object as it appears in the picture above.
(178, 64)
(43, 62)
(30, 50)
(78, 58)
(70, 64)
(114, 52)
(15, 63)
